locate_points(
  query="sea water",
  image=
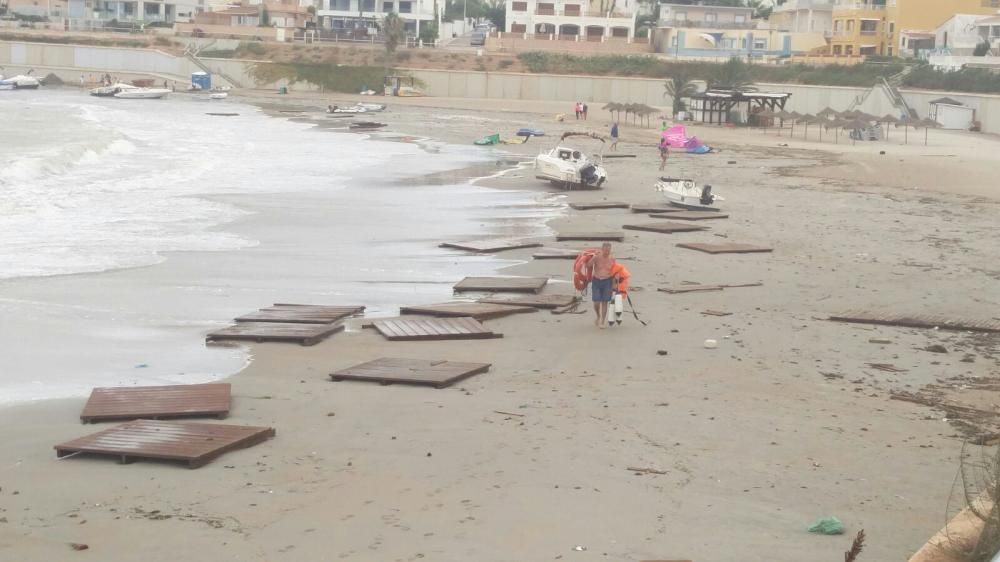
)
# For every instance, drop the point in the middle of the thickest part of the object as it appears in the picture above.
(130, 228)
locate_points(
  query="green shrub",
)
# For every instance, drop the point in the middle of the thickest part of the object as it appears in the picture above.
(253, 48)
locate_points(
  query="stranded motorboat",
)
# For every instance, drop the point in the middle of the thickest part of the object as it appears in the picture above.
(684, 193)
(218, 96)
(19, 82)
(110, 90)
(569, 167)
(142, 93)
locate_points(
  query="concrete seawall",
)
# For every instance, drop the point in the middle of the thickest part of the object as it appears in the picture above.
(69, 61)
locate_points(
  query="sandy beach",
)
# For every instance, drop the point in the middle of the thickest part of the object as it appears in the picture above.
(746, 444)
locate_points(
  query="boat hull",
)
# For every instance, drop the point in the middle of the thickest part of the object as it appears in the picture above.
(151, 94)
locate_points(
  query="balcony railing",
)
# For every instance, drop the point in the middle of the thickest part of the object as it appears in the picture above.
(858, 5)
(578, 14)
(869, 32)
(706, 24)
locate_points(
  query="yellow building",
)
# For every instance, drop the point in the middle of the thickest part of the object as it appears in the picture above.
(895, 27)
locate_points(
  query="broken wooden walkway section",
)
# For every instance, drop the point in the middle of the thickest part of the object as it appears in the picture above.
(488, 246)
(556, 254)
(191, 443)
(502, 284)
(599, 205)
(537, 301)
(302, 314)
(690, 215)
(594, 236)
(425, 329)
(390, 370)
(726, 248)
(303, 334)
(157, 402)
(654, 208)
(478, 310)
(928, 321)
(665, 227)
(703, 288)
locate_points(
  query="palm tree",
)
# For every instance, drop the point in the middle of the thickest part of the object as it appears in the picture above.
(734, 74)
(681, 85)
(395, 33)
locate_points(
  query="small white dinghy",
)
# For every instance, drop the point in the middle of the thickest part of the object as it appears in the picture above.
(143, 93)
(218, 96)
(684, 193)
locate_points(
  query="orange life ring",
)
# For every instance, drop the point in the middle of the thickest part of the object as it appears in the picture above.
(582, 273)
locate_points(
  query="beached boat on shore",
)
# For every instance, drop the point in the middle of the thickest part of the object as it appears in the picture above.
(142, 93)
(570, 167)
(19, 82)
(684, 193)
(111, 89)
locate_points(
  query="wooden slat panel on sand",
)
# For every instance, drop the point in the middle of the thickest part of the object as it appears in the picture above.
(600, 236)
(665, 227)
(477, 310)
(726, 248)
(483, 246)
(702, 288)
(304, 334)
(691, 215)
(599, 205)
(654, 208)
(193, 443)
(389, 370)
(930, 321)
(537, 301)
(556, 254)
(502, 284)
(157, 402)
(302, 314)
(425, 329)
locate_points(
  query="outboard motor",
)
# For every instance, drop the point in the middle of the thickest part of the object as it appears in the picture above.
(588, 174)
(706, 195)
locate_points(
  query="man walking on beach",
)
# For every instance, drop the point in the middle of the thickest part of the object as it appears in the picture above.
(664, 152)
(601, 283)
(614, 136)
(584, 109)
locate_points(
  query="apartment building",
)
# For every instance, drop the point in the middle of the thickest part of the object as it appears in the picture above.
(721, 32)
(103, 11)
(362, 16)
(896, 27)
(803, 16)
(574, 20)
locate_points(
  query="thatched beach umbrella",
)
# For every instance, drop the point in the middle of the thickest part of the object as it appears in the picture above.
(826, 113)
(793, 116)
(866, 116)
(905, 123)
(806, 120)
(928, 123)
(888, 118)
(782, 116)
(836, 125)
(854, 124)
(763, 115)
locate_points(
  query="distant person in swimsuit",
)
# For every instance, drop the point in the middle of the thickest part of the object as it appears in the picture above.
(614, 137)
(664, 153)
(601, 283)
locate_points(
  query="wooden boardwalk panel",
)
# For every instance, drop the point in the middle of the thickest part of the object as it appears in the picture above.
(424, 329)
(664, 227)
(157, 402)
(502, 284)
(599, 205)
(656, 208)
(537, 301)
(599, 236)
(389, 370)
(477, 310)
(691, 215)
(556, 254)
(301, 314)
(929, 321)
(192, 443)
(304, 334)
(726, 248)
(484, 246)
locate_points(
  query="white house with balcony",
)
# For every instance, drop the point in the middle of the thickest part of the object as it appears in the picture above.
(803, 16)
(363, 16)
(573, 20)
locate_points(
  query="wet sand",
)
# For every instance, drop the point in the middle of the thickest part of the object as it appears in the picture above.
(784, 423)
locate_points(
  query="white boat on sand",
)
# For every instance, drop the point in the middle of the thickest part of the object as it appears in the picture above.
(684, 193)
(19, 82)
(142, 93)
(569, 167)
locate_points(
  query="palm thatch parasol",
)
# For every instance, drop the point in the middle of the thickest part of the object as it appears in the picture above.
(792, 116)
(854, 124)
(888, 118)
(928, 123)
(836, 125)
(906, 123)
(866, 116)
(806, 120)
(826, 113)
(763, 115)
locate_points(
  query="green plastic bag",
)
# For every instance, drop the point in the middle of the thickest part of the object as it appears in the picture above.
(827, 526)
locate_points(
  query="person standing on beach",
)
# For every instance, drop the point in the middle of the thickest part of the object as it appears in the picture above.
(578, 109)
(600, 267)
(614, 136)
(664, 153)
(584, 109)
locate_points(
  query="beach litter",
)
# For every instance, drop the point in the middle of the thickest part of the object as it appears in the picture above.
(827, 526)
(711, 344)
(78, 546)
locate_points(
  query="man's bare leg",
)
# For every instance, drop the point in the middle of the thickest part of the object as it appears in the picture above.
(597, 311)
(603, 314)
